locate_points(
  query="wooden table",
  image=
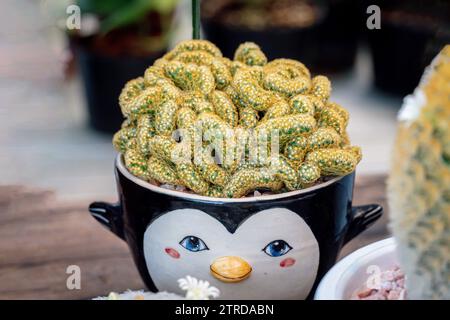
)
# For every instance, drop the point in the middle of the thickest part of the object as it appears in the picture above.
(40, 237)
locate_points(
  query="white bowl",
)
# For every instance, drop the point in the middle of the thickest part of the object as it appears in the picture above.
(349, 274)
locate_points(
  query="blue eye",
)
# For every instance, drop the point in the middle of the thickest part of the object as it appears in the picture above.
(277, 248)
(194, 244)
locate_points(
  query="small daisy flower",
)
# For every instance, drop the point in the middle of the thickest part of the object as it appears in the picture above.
(197, 289)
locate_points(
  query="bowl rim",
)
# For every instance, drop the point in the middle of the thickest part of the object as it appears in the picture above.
(328, 286)
(179, 194)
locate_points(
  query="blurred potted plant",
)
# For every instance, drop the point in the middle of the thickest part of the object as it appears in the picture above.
(320, 33)
(411, 34)
(117, 41)
(281, 28)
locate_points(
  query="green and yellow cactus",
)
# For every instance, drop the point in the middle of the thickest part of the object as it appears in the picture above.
(419, 184)
(224, 128)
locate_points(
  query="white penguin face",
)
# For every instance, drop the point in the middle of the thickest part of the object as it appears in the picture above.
(276, 244)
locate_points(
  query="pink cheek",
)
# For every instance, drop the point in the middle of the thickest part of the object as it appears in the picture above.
(288, 262)
(173, 253)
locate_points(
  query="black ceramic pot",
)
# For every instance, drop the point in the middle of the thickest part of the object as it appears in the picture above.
(103, 78)
(266, 247)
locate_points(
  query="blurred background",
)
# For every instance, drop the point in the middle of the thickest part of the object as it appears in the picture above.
(59, 87)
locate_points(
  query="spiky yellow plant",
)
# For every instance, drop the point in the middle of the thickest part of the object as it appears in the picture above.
(419, 184)
(194, 101)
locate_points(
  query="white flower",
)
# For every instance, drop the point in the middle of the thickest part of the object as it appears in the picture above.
(197, 289)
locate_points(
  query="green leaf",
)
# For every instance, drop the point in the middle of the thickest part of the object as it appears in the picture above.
(119, 13)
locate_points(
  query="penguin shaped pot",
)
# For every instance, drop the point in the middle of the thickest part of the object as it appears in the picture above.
(264, 247)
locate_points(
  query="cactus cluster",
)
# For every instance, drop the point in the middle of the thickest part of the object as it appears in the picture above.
(419, 184)
(223, 128)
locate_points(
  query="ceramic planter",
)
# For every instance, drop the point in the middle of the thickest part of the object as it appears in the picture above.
(266, 247)
(349, 274)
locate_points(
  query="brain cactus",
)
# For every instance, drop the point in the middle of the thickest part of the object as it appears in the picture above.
(223, 128)
(419, 184)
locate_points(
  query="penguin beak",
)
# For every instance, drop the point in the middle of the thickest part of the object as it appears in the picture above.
(230, 269)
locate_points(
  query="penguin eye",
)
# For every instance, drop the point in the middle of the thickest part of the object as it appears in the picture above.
(194, 244)
(277, 248)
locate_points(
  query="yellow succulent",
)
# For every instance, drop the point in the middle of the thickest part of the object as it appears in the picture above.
(202, 121)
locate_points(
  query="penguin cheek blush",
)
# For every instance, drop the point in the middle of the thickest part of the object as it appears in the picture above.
(288, 262)
(172, 252)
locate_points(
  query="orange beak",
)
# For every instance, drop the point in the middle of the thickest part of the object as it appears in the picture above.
(230, 269)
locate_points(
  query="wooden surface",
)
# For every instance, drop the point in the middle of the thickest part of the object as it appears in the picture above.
(40, 237)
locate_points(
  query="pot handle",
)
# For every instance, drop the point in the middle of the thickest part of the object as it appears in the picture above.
(363, 217)
(109, 215)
